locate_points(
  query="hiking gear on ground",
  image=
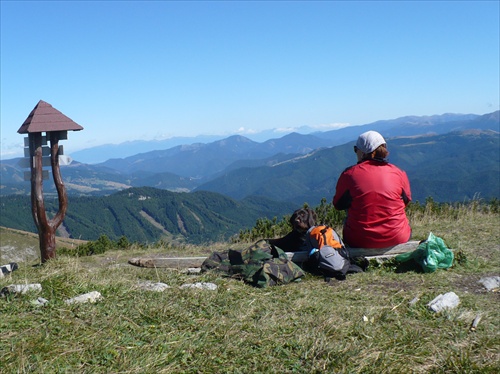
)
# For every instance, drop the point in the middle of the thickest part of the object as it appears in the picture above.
(327, 253)
(431, 254)
(260, 265)
(318, 236)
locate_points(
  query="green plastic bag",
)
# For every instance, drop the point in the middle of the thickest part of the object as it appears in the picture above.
(431, 254)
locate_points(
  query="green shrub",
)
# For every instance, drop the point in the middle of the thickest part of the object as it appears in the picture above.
(328, 215)
(99, 246)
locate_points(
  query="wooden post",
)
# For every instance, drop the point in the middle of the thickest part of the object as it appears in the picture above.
(45, 118)
(46, 227)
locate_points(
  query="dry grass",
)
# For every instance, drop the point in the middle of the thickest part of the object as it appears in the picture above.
(362, 325)
(22, 246)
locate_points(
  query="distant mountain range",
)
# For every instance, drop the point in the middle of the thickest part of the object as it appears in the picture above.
(451, 167)
(404, 126)
(238, 167)
(234, 181)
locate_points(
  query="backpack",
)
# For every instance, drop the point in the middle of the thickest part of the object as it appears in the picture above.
(318, 236)
(260, 265)
(328, 253)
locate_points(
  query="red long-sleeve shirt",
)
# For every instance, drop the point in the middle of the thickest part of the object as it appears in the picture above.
(375, 194)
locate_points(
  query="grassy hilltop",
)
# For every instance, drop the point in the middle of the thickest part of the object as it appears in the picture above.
(364, 324)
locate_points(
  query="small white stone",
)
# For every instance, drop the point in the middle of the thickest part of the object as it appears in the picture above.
(90, 297)
(22, 288)
(490, 283)
(200, 285)
(447, 301)
(40, 301)
(150, 286)
(414, 301)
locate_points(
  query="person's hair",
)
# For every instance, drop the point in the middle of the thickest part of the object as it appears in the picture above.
(381, 152)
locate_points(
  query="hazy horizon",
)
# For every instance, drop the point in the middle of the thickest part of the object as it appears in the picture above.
(138, 70)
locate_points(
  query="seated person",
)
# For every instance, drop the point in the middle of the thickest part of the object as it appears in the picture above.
(301, 220)
(375, 194)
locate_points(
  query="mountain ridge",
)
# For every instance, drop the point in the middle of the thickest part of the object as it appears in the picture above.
(187, 167)
(102, 153)
(454, 166)
(438, 166)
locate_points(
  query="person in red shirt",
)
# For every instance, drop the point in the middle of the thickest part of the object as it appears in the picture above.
(375, 194)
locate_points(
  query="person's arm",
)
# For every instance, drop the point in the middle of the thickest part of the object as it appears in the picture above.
(406, 194)
(342, 199)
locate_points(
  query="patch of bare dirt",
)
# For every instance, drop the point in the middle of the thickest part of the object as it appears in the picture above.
(470, 284)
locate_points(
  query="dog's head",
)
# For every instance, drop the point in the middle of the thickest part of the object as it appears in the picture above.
(303, 219)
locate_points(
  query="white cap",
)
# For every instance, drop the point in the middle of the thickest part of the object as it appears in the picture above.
(369, 141)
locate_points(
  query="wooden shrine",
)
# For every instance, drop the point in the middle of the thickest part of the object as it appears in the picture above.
(46, 119)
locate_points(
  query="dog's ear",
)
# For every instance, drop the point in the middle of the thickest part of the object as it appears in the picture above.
(311, 217)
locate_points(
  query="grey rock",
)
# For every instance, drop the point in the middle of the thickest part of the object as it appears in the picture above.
(20, 288)
(90, 297)
(193, 271)
(200, 285)
(447, 301)
(7, 269)
(150, 286)
(413, 301)
(490, 283)
(40, 301)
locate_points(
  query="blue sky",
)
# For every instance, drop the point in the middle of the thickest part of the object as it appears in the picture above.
(156, 69)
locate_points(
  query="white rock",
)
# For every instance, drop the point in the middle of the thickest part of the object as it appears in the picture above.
(193, 271)
(7, 269)
(40, 301)
(490, 283)
(150, 286)
(200, 285)
(21, 288)
(90, 297)
(447, 301)
(413, 301)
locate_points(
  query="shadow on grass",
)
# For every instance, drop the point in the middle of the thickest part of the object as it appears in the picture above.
(392, 265)
(410, 266)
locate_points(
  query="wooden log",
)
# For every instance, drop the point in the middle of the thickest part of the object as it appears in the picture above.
(389, 251)
(297, 257)
(167, 262)
(370, 253)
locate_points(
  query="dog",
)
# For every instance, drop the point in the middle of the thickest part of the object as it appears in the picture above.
(301, 220)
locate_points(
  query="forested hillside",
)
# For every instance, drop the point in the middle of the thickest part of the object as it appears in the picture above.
(451, 167)
(149, 215)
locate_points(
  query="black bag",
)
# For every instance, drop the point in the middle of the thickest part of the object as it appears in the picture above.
(327, 253)
(331, 262)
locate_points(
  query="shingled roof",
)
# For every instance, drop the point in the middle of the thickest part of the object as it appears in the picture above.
(45, 118)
